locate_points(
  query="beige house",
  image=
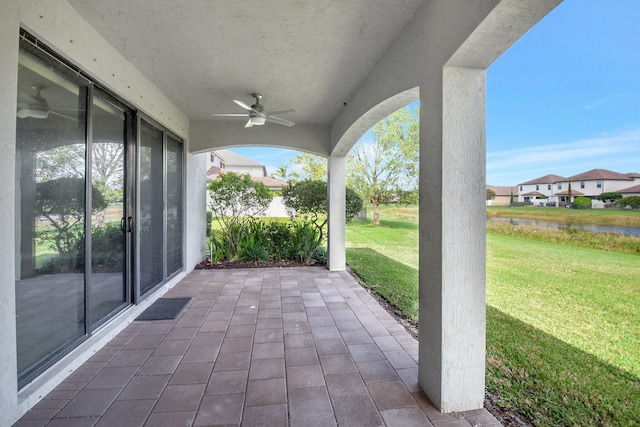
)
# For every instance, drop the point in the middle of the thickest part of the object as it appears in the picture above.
(504, 195)
(554, 189)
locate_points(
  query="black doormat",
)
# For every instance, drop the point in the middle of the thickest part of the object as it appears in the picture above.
(164, 309)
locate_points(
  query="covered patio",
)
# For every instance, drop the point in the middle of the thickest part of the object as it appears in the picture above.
(160, 70)
(255, 347)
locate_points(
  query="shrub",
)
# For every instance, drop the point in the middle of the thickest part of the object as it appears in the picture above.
(236, 200)
(256, 253)
(304, 241)
(610, 198)
(308, 200)
(582, 202)
(631, 201)
(279, 240)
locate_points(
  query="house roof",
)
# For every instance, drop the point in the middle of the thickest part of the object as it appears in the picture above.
(503, 190)
(271, 183)
(598, 174)
(547, 179)
(628, 190)
(534, 193)
(214, 170)
(633, 174)
(233, 159)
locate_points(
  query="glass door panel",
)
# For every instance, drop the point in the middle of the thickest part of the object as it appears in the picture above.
(50, 213)
(108, 220)
(150, 207)
(174, 205)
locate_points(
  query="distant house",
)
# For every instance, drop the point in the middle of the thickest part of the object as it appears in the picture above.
(503, 195)
(554, 189)
(630, 191)
(540, 191)
(597, 181)
(221, 161)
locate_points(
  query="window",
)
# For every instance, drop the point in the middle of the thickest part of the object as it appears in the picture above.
(537, 187)
(599, 184)
(559, 186)
(521, 188)
(549, 187)
(581, 184)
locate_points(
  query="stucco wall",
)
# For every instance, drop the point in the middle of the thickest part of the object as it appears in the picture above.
(58, 25)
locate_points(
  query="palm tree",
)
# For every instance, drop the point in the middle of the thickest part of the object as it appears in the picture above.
(281, 173)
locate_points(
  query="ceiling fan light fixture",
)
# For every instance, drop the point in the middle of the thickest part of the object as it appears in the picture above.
(257, 120)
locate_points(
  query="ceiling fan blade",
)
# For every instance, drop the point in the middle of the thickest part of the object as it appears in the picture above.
(25, 98)
(63, 115)
(243, 105)
(280, 111)
(249, 124)
(230, 115)
(279, 121)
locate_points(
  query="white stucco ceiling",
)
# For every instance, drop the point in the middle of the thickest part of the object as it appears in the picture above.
(308, 54)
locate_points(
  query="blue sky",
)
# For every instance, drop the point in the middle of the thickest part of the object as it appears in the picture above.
(563, 99)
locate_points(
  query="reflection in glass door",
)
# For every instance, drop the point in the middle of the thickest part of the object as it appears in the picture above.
(50, 213)
(109, 222)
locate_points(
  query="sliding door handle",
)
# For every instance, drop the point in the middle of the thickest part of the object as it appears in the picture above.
(130, 224)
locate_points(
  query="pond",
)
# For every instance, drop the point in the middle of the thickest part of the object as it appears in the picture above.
(599, 228)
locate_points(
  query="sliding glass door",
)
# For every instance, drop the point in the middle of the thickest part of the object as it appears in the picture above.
(109, 207)
(99, 208)
(151, 207)
(159, 206)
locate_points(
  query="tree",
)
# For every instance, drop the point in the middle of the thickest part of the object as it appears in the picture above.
(62, 202)
(511, 198)
(313, 167)
(308, 199)
(490, 194)
(378, 168)
(236, 199)
(281, 173)
(610, 198)
(569, 193)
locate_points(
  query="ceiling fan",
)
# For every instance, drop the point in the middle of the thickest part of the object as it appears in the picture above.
(36, 106)
(258, 115)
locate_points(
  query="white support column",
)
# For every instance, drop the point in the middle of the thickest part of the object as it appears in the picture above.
(336, 196)
(452, 240)
(9, 26)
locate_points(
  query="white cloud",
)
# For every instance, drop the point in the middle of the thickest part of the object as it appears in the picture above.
(602, 151)
(594, 104)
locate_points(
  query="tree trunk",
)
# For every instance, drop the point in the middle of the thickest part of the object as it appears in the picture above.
(376, 212)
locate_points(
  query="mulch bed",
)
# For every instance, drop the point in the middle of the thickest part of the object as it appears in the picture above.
(207, 265)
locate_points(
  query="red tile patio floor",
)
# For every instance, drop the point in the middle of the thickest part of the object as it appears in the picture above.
(255, 347)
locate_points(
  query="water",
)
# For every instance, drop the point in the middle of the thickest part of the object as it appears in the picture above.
(618, 229)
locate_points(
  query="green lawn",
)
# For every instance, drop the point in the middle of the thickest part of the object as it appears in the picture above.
(592, 216)
(563, 322)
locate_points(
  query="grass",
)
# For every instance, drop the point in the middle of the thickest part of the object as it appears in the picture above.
(563, 324)
(390, 272)
(622, 217)
(610, 242)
